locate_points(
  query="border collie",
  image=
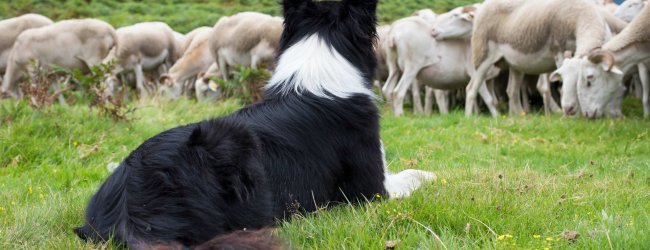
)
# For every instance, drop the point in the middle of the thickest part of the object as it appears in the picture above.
(313, 141)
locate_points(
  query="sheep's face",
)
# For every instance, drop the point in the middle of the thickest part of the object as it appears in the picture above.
(597, 87)
(170, 88)
(568, 73)
(453, 25)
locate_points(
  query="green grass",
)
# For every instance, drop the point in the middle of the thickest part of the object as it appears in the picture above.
(184, 16)
(511, 178)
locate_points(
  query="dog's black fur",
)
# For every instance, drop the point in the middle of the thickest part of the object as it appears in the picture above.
(289, 153)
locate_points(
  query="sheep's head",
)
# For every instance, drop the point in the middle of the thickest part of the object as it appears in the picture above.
(599, 83)
(455, 24)
(169, 88)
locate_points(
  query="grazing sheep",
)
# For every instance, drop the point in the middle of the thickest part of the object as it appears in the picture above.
(149, 46)
(602, 71)
(531, 36)
(73, 44)
(247, 39)
(11, 28)
(443, 64)
(195, 60)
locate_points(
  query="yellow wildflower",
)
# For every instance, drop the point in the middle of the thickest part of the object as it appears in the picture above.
(549, 238)
(2, 209)
(29, 190)
(501, 237)
(547, 248)
(443, 181)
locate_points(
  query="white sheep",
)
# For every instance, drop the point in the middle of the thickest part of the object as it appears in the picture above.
(11, 28)
(444, 64)
(73, 44)
(531, 36)
(602, 71)
(149, 46)
(196, 59)
(246, 39)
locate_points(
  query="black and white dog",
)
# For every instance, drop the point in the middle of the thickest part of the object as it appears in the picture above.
(312, 142)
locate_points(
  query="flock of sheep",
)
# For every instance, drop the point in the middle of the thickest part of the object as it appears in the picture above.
(587, 45)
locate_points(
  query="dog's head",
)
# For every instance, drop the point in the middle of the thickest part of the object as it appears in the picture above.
(348, 25)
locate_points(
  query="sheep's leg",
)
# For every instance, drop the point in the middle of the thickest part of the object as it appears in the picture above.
(478, 79)
(408, 78)
(525, 98)
(442, 100)
(645, 83)
(139, 81)
(428, 100)
(489, 100)
(223, 66)
(393, 76)
(515, 81)
(417, 99)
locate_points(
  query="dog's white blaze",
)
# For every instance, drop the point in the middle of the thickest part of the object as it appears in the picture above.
(314, 66)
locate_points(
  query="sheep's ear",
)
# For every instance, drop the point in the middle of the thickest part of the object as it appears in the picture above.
(556, 76)
(468, 16)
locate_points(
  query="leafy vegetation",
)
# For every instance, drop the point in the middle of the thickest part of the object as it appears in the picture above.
(184, 16)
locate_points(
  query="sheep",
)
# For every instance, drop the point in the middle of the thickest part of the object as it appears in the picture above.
(602, 69)
(426, 15)
(630, 9)
(143, 46)
(247, 39)
(531, 36)
(443, 64)
(73, 44)
(195, 60)
(11, 28)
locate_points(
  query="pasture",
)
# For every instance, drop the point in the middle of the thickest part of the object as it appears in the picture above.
(506, 183)
(524, 181)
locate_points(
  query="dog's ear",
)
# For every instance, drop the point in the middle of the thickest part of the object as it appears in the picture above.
(232, 155)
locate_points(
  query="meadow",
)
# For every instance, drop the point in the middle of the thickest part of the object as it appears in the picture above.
(516, 182)
(503, 183)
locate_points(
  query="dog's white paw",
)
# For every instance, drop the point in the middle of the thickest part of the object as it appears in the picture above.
(402, 184)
